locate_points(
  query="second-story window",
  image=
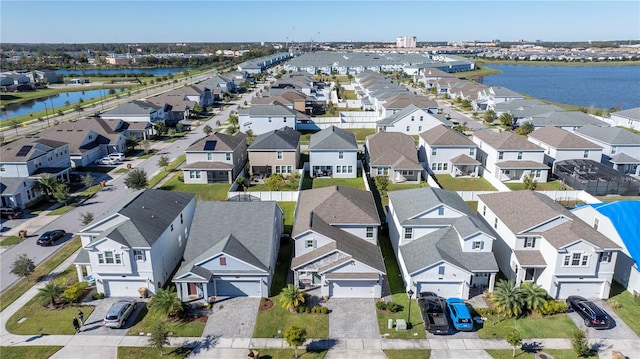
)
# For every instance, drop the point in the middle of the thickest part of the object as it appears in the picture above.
(408, 233)
(596, 223)
(586, 154)
(279, 155)
(209, 156)
(472, 151)
(369, 232)
(605, 257)
(477, 245)
(340, 155)
(228, 156)
(500, 155)
(529, 242)
(223, 261)
(519, 155)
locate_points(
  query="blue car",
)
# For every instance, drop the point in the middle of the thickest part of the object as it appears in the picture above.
(460, 314)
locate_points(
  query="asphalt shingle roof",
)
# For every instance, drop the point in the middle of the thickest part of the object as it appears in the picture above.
(223, 142)
(506, 140)
(333, 138)
(561, 139)
(610, 135)
(442, 136)
(393, 149)
(284, 139)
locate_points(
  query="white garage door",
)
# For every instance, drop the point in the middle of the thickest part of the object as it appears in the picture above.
(352, 289)
(230, 288)
(122, 288)
(587, 290)
(445, 290)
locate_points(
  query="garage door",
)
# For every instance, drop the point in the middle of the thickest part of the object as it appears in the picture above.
(587, 290)
(238, 288)
(445, 290)
(352, 289)
(122, 288)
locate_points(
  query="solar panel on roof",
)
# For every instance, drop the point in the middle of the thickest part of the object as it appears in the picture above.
(210, 145)
(24, 150)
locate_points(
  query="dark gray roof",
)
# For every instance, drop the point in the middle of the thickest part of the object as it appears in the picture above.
(82, 257)
(565, 119)
(530, 258)
(136, 107)
(390, 120)
(24, 149)
(10, 185)
(333, 138)
(284, 139)
(243, 230)
(271, 110)
(609, 135)
(624, 158)
(392, 149)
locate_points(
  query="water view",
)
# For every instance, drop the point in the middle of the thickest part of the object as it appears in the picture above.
(158, 71)
(598, 86)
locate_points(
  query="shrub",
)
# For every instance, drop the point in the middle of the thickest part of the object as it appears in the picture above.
(381, 305)
(580, 343)
(74, 292)
(308, 310)
(486, 312)
(394, 307)
(613, 303)
(554, 306)
(98, 296)
(325, 310)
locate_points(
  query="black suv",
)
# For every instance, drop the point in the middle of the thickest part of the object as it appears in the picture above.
(11, 212)
(592, 314)
(50, 237)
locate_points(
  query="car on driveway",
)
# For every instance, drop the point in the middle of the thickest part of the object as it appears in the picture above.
(593, 315)
(107, 161)
(50, 237)
(118, 156)
(11, 212)
(434, 313)
(119, 312)
(460, 315)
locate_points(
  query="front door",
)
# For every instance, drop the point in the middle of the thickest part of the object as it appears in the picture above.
(529, 274)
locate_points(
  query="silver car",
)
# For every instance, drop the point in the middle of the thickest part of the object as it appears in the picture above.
(119, 312)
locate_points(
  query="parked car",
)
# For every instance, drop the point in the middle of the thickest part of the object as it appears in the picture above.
(50, 237)
(460, 315)
(434, 313)
(119, 312)
(107, 161)
(118, 156)
(11, 212)
(593, 315)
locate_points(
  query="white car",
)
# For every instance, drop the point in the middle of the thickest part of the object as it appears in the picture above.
(118, 156)
(107, 161)
(119, 312)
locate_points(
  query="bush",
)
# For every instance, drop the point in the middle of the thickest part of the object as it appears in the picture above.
(394, 307)
(554, 306)
(74, 292)
(381, 305)
(325, 310)
(613, 303)
(98, 296)
(486, 312)
(308, 310)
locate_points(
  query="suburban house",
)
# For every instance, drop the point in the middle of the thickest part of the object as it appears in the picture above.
(621, 148)
(567, 120)
(440, 244)
(140, 114)
(23, 161)
(540, 241)
(232, 251)
(335, 233)
(224, 82)
(137, 244)
(261, 119)
(179, 103)
(396, 103)
(216, 158)
(628, 118)
(522, 109)
(446, 151)
(560, 145)
(411, 120)
(393, 155)
(333, 152)
(277, 151)
(509, 157)
(488, 97)
(620, 222)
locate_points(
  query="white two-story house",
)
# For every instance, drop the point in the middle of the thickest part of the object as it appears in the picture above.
(620, 148)
(411, 120)
(137, 244)
(216, 158)
(540, 241)
(333, 152)
(261, 119)
(440, 244)
(446, 151)
(560, 145)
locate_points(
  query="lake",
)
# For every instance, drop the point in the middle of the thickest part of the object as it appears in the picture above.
(157, 71)
(598, 86)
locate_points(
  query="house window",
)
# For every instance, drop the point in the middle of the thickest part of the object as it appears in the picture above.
(310, 243)
(194, 174)
(441, 270)
(434, 166)
(472, 151)
(575, 259)
(412, 118)
(596, 223)
(338, 169)
(369, 232)
(285, 119)
(408, 233)
(2, 169)
(529, 242)
(172, 227)
(567, 259)
(138, 254)
(108, 257)
(209, 156)
(269, 119)
(223, 261)
(484, 210)
(434, 151)
(585, 260)
(586, 154)
(279, 155)
(614, 149)
(500, 155)
(507, 172)
(350, 168)
(228, 156)
(406, 172)
(605, 257)
(477, 245)
(440, 211)
(408, 128)
(340, 155)
(495, 223)
(519, 155)
(421, 118)
(420, 128)
(181, 218)
(445, 166)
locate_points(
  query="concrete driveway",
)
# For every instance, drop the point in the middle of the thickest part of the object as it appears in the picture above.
(618, 329)
(232, 318)
(93, 325)
(352, 318)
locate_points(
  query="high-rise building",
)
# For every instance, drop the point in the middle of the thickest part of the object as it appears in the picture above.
(406, 41)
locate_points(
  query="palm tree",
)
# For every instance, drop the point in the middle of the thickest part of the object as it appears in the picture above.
(291, 297)
(165, 301)
(47, 184)
(508, 298)
(51, 291)
(525, 128)
(535, 297)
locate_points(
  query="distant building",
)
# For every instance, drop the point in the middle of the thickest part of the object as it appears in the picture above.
(406, 41)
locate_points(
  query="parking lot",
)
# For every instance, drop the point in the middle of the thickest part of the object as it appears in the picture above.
(93, 324)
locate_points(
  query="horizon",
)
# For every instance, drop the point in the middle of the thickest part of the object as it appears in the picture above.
(109, 21)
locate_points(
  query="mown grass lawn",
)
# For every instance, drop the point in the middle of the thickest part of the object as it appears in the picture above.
(39, 319)
(629, 310)
(407, 353)
(417, 330)
(205, 192)
(464, 184)
(289, 353)
(288, 208)
(542, 186)
(166, 171)
(319, 182)
(148, 352)
(556, 353)
(146, 320)
(270, 321)
(29, 352)
(11, 240)
(557, 326)
(361, 133)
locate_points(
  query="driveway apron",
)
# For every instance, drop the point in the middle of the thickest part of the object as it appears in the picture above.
(232, 318)
(618, 329)
(352, 318)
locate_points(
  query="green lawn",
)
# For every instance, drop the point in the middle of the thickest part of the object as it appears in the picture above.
(146, 320)
(464, 184)
(148, 352)
(165, 172)
(544, 186)
(29, 352)
(556, 353)
(289, 353)
(40, 319)
(557, 326)
(629, 310)
(319, 182)
(407, 353)
(361, 133)
(288, 208)
(21, 286)
(473, 205)
(204, 192)
(11, 240)
(416, 332)
(401, 186)
(270, 321)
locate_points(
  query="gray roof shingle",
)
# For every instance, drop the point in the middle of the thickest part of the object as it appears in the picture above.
(284, 139)
(609, 135)
(333, 138)
(506, 140)
(442, 136)
(561, 139)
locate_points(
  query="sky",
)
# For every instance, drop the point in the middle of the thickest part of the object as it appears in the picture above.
(106, 21)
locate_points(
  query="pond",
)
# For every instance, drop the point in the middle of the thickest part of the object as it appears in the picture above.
(158, 71)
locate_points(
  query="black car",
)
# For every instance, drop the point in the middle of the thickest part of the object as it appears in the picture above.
(50, 237)
(592, 314)
(11, 212)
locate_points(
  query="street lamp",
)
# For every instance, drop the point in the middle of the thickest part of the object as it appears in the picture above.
(46, 111)
(410, 293)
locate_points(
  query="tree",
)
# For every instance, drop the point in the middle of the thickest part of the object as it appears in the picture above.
(15, 124)
(242, 183)
(291, 297)
(250, 136)
(514, 339)
(50, 292)
(88, 180)
(506, 119)
(530, 182)
(136, 179)
(179, 127)
(382, 182)
(508, 298)
(535, 297)
(159, 336)
(197, 110)
(525, 128)
(461, 127)
(163, 162)
(86, 218)
(62, 193)
(580, 344)
(207, 130)
(78, 108)
(160, 128)
(295, 337)
(23, 266)
(275, 182)
(165, 301)
(132, 142)
(489, 116)
(46, 184)
(171, 132)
